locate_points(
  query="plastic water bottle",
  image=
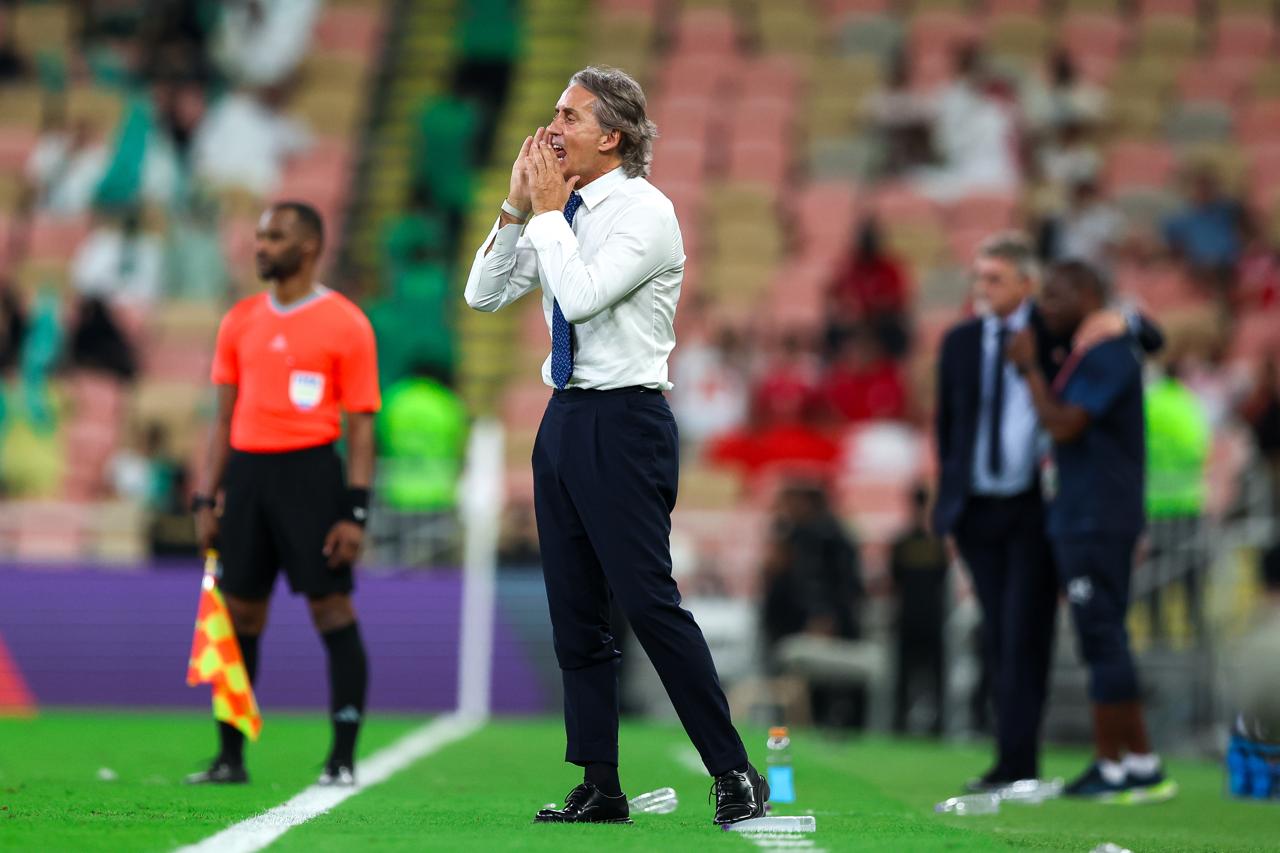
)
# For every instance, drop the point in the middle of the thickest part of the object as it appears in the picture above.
(970, 804)
(782, 788)
(661, 801)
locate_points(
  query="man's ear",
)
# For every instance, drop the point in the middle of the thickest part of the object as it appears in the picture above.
(610, 141)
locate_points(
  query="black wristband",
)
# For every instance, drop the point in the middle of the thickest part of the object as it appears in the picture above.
(199, 502)
(358, 505)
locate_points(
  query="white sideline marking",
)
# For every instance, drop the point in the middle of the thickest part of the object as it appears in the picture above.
(260, 830)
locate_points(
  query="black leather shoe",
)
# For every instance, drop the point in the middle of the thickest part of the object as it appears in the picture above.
(220, 772)
(587, 804)
(739, 796)
(990, 782)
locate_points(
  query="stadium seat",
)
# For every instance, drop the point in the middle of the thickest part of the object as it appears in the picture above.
(1174, 8)
(1139, 164)
(1244, 35)
(879, 37)
(16, 145)
(710, 32)
(1167, 37)
(349, 30)
(1199, 122)
(1093, 34)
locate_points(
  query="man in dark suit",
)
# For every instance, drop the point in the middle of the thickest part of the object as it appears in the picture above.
(989, 501)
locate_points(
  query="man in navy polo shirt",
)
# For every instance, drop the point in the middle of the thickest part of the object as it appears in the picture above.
(1093, 412)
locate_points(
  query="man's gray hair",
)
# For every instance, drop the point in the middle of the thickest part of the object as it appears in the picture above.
(1014, 247)
(620, 106)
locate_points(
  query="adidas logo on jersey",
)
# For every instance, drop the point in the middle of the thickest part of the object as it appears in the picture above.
(279, 344)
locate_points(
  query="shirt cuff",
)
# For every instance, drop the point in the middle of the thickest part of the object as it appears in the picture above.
(506, 239)
(548, 228)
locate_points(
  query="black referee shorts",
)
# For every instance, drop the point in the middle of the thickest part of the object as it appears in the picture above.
(278, 509)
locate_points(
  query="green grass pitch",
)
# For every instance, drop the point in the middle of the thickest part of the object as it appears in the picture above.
(480, 793)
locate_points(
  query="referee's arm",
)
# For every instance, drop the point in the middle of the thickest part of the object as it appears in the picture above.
(346, 538)
(215, 465)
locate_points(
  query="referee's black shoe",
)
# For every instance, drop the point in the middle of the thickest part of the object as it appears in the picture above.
(588, 804)
(220, 772)
(739, 795)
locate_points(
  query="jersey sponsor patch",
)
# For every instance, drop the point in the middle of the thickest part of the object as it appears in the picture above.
(306, 389)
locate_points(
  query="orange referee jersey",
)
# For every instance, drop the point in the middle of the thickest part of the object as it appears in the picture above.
(297, 368)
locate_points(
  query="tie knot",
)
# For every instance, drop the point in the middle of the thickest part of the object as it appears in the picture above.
(571, 206)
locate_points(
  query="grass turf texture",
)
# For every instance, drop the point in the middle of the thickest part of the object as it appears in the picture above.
(481, 793)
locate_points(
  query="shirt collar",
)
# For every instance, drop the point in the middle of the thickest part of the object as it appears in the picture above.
(599, 189)
(1015, 322)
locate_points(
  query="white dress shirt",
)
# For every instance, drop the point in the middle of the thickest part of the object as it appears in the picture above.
(1020, 439)
(616, 274)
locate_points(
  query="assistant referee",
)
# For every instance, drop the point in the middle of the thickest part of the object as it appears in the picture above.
(288, 363)
(604, 246)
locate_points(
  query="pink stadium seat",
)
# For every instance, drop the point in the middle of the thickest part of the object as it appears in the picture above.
(54, 238)
(1135, 163)
(16, 144)
(758, 161)
(964, 240)
(902, 204)
(764, 117)
(942, 32)
(1255, 336)
(346, 29)
(678, 161)
(1208, 81)
(1244, 35)
(771, 76)
(709, 32)
(49, 530)
(646, 8)
(1093, 34)
(695, 74)
(989, 211)
(840, 10)
(1096, 68)
(683, 117)
(1179, 8)
(1259, 122)
(523, 405)
(930, 69)
(177, 360)
(1001, 8)
(95, 396)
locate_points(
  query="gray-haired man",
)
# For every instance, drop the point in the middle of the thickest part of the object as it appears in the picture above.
(605, 248)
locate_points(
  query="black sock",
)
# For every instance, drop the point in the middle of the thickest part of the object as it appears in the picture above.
(603, 776)
(231, 739)
(348, 683)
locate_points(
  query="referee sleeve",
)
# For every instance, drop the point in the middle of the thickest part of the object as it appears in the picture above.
(358, 370)
(226, 365)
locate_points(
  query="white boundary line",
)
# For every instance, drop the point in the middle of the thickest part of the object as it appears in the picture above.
(261, 830)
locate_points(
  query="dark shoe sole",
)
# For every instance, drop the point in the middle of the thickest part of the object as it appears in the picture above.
(620, 821)
(759, 812)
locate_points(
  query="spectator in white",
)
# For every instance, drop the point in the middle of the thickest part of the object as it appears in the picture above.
(975, 135)
(902, 117)
(119, 263)
(244, 142)
(1070, 157)
(261, 42)
(65, 167)
(1089, 230)
(1061, 97)
(712, 391)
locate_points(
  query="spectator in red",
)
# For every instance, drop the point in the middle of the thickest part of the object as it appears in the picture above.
(786, 392)
(863, 384)
(872, 288)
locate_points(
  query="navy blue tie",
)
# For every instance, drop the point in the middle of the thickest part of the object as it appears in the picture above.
(995, 443)
(561, 331)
